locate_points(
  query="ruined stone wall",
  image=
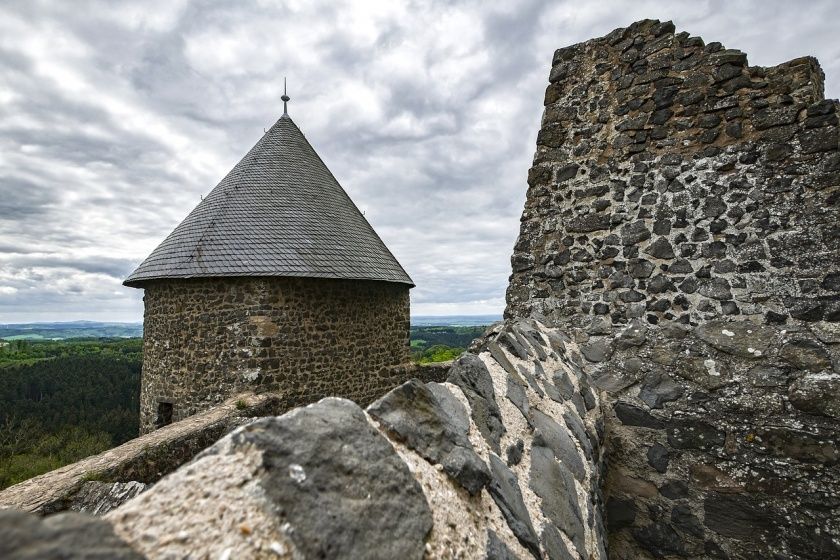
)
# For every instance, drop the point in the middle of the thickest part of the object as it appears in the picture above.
(682, 221)
(673, 181)
(304, 338)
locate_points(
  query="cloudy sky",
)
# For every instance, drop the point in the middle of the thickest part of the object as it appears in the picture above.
(116, 117)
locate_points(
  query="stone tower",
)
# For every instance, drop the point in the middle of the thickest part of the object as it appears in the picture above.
(274, 281)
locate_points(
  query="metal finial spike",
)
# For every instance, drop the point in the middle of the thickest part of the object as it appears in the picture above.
(285, 98)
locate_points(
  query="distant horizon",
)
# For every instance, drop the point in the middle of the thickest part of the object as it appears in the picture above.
(495, 316)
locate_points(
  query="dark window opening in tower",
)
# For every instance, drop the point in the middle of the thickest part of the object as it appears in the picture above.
(164, 414)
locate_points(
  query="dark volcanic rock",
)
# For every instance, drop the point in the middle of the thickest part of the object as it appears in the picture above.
(563, 384)
(414, 415)
(634, 335)
(596, 351)
(376, 507)
(504, 488)
(658, 457)
(817, 394)
(556, 486)
(684, 519)
(554, 544)
(575, 424)
(621, 512)
(674, 489)
(660, 540)
(805, 354)
(634, 416)
(516, 394)
(499, 355)
(634, 233)
(64, 536)
(657, 389)
(471, 375)
(496, 549)
(514, 452)
(548, 433)
(660, 249)
(737, 517)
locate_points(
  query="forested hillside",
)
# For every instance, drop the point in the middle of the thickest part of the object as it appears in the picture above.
(62, 401)
(439, 344)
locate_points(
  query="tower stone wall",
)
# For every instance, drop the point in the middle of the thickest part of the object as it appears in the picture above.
(208, 339)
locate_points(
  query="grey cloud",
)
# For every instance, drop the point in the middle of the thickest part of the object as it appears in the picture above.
(426, 112)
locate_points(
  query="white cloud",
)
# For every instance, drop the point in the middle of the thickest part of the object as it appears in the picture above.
(115, 117)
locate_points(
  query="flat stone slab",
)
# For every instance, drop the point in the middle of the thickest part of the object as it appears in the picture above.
(739, 338)
(504, 489)
(470, 374)
(434, 427)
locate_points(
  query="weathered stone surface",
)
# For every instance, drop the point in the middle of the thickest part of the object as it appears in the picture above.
(738, 517)
(817, 394)
(660, 539)
(694, 434)
(320, 481)
(504, 488)
(556, 487)
(98, 498)
(800, 445)
(805, 354)
(471, 375)
(658, 389)
(66, 535)
(709, 373)
(414, 415)
(767, 376)
(739, 338)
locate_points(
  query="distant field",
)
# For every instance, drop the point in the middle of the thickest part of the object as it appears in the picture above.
(74, 329)
(454, 320)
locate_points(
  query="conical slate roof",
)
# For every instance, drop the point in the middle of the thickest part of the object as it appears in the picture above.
(279, 212)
